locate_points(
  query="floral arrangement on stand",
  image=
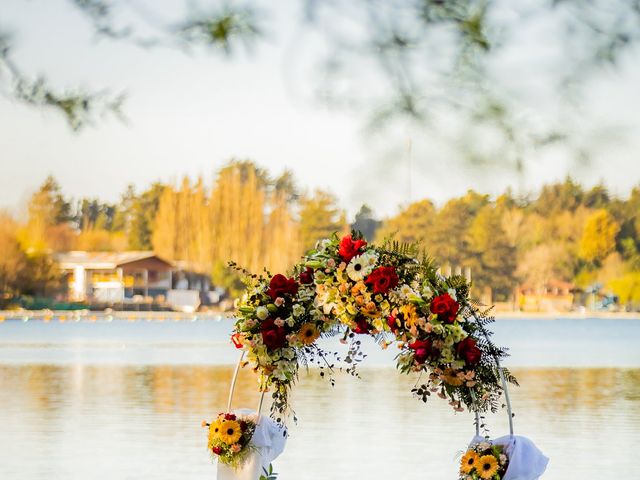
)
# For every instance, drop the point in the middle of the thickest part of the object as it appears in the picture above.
(229, 438)
(484, 461)
(392, 292)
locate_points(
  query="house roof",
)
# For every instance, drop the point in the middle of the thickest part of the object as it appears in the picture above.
(102, 260)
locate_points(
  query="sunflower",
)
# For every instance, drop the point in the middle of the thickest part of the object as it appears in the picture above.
(308, 333)
(469, 461)
(487, 466)
(214, 432)
(230, 432)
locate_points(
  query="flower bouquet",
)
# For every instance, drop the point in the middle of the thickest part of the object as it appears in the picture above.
(512, 457)
(484, 461)
(229, 438)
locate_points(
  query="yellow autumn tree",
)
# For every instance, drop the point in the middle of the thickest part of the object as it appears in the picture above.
(320, 217)
(412, 224)
(163, 238)
(598, 237)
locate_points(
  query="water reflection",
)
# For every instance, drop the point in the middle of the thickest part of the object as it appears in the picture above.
(119, 422)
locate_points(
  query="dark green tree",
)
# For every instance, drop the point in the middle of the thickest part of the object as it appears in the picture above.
(366, 223)
(142, 217)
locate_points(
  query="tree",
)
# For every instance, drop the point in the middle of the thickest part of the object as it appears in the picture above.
(599, 237)
(413, 224)
(12, 260)
(545, 262)
(164, 234)
(559, 196)
(47, 208)
(449, 242)
(142, 216)
(366, 223)
(320, 217)
(493, 258)
(282, 235)
(627, 288)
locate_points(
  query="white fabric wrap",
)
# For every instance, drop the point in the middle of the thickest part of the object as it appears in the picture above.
(269, 439)
(526, 461)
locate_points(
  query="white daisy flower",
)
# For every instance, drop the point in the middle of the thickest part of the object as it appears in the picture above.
(406, 290)
(355, 269)
(361, 265)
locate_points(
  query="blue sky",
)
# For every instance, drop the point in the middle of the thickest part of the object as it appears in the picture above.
(190, 113)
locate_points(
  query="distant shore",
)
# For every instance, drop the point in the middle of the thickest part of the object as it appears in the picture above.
(87, 315)
(573, 315)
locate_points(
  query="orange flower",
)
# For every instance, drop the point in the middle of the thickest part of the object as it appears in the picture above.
(450, 376)
(308, 333)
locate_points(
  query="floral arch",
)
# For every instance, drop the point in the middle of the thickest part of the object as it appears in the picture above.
(346, 287)
(394, 293)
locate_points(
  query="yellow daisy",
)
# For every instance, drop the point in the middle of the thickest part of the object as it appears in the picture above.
(409, 315)
(308, 333)
(469, 461)
(230, 432)
(487, 466)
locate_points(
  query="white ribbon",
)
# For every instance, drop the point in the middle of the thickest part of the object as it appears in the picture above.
(526, 461)
(268, 439)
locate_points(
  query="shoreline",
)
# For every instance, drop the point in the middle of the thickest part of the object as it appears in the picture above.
(88, 315)
(567, 315)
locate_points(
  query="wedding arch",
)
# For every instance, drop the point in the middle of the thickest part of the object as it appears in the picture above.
(348, 288)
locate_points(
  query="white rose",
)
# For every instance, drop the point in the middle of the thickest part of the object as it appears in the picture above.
(262, 313)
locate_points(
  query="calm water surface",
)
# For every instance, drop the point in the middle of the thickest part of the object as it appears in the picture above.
(124, 400)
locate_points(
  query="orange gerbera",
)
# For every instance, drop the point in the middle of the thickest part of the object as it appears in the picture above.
(308, 333)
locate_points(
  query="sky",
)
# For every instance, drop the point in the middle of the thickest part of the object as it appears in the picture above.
(189, 113)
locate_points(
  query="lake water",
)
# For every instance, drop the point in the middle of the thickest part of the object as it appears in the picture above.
(124, 400)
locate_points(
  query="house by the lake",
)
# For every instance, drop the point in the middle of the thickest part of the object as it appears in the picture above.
(112, 277)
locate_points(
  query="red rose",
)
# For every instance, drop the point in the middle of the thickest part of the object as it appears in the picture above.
(280, 285)
(273, 337)
(393, 323)
(468, 351)
(216, 450)
(229, 416)
(236, 338)
(349, 247)
(243, 425)
(306, 277)
(445, 307)
(383, 279)
(423, 350)
(362, 326)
